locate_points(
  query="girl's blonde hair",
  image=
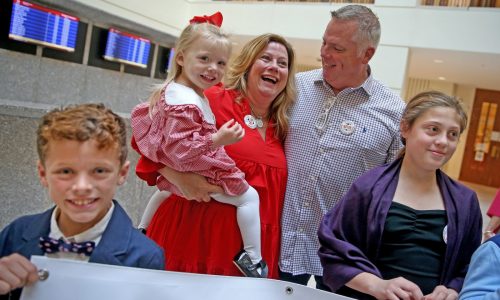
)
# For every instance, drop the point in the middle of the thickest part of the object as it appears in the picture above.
(424, 101)
(189, 35)
(237, 77)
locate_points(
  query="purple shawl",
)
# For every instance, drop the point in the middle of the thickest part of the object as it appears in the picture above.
(350, 234)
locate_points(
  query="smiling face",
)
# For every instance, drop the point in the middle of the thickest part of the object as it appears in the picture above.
(268, 75)
(344, 65)
(203, 65)
(81, 179)
(432, 138)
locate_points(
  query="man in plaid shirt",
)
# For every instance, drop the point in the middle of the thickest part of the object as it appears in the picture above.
(344, 123)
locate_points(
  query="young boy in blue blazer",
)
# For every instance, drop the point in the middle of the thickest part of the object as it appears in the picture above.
(82, 153)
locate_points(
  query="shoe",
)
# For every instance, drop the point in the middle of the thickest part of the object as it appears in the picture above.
(244, 263)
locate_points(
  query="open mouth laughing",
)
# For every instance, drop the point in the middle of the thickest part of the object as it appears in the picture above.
(270, 79)
(208, 78)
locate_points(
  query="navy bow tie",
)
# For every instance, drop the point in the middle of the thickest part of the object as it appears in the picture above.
(50, 245)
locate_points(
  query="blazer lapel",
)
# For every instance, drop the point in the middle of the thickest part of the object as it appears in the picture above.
(112, 248)
(31, 236)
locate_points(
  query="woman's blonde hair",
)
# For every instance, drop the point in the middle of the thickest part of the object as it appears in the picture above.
(424, 101)
(237, 77)
(189, 35)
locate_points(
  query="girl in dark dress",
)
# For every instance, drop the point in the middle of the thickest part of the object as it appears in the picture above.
(406, 230)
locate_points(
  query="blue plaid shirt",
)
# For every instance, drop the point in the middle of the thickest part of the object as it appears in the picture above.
(332, 140)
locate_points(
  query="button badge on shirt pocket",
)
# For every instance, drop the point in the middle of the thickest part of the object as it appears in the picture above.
(347, 127)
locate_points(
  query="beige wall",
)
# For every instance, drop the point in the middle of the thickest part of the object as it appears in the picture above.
(466, 94)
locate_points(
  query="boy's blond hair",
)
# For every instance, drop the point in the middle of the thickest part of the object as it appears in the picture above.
(81, 123)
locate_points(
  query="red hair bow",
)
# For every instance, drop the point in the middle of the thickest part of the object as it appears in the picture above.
(215, 19)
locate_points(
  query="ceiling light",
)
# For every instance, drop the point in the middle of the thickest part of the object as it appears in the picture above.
(441, 78)
(438, 61)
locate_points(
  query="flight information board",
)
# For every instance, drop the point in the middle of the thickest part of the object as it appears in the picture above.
(127, 48)
(48, 27)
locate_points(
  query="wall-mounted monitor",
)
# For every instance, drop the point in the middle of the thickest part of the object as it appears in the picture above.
(33, 23)
(163, 56)
(127, 48)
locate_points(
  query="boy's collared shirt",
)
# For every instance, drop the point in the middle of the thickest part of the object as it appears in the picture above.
(93, 234)
(120, 244)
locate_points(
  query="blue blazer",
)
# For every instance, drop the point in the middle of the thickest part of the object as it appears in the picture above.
(121, 244)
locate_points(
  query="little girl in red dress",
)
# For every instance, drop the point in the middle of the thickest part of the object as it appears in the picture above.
(176, 128)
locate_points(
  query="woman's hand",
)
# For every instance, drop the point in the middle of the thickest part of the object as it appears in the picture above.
(16, 271)
(491, 228)
(192, 186)
(442, 293)
(392, 289)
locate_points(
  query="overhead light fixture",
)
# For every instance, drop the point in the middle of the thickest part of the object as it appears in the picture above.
(441, 78)
(438, 61)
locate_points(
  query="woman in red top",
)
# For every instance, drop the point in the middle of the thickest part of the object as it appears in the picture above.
(203, 237)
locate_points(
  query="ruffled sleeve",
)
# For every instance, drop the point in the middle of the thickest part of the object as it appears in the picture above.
(176, 137)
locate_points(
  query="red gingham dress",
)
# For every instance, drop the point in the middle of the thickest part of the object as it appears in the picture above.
(204, 237)
(179, 135)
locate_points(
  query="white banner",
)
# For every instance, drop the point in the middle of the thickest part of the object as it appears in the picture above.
(69, 279)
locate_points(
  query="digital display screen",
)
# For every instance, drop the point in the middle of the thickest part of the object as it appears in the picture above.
(127, 48)
(37, 24)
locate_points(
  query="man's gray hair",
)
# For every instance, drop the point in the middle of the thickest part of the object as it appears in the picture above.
(368, 34)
